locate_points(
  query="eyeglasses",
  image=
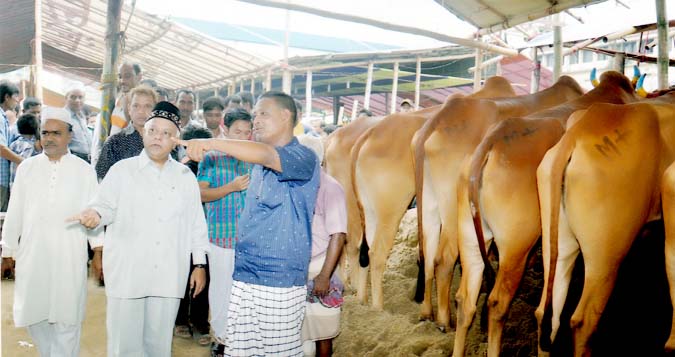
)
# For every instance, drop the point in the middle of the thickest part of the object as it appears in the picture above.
(163, 134)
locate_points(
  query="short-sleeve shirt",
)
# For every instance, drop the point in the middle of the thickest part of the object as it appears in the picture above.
(275, 227)
(4, 140)
(24, 148)
(222, 215)
(330, 214)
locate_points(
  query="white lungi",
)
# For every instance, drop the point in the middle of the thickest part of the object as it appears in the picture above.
(221, 267)
(321, 323)
(140, 327)
(265, 321)
(56, 339)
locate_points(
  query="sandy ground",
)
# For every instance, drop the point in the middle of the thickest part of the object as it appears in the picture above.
(17, 343)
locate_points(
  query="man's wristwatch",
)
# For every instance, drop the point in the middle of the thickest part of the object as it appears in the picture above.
(203, 266)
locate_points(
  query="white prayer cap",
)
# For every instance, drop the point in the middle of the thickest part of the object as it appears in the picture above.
(56, 114)
(313, 143)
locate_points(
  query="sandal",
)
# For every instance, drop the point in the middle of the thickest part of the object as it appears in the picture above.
(182, 331)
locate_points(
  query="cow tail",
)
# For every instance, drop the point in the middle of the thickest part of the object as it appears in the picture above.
(364, 259)
(419, 154)
(558, 166)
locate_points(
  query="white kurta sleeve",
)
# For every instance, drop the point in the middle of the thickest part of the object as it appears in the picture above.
(106, 199)
(199, 231)
(95, 236)
(13, 225)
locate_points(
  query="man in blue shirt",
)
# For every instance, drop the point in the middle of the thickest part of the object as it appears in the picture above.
(9, 98)
(273, 252)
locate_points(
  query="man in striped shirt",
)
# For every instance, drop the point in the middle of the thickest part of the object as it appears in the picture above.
(223, 181)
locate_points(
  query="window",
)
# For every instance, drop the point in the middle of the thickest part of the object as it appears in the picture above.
(586, 56)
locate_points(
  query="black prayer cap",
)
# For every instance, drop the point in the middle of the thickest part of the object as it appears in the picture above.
(168, 111)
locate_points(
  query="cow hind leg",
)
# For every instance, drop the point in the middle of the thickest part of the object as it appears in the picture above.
(444, 272)
(668, 197)
(432, 227)
(385, 232)
(511, 268)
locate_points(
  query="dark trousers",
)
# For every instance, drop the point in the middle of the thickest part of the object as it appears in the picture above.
(195, 311)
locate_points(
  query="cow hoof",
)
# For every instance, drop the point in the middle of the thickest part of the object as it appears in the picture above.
(442, 328)
(425, 317)
(670, 345)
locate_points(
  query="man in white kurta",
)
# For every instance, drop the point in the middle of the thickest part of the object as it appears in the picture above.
(51, 255)
(152, 208)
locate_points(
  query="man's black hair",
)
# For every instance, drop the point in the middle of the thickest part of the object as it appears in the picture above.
(7, 88)
(186, 91)
(30, 102)
(232, 98)
(212, 103)
(195, 132)
(246, 97)
(285, 101)
(236, 114)
(27, 124)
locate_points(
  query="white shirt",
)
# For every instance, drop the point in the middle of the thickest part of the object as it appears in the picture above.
(155, 220)
(51, 259)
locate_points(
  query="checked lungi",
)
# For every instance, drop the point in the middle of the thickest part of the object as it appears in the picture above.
(265, 321)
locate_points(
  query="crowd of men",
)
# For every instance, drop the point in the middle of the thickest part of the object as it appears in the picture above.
(226, 212)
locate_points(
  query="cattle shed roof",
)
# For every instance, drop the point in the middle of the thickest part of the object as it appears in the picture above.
(73, 40)
(496, 15)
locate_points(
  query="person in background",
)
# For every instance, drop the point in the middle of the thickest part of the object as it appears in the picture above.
(26, 144)
(213, 109)
(406, 106)
(50, 291)
(329, 229)
(80, 145)
(231, 102)
(185, 101)
(223, 181)
(247, 101)
(9, 99)
(192, 320)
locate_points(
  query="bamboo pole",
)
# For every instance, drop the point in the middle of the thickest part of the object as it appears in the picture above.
(477, 74)
(268, 81)
(369, 86)
(37, 52)
(557, 48)
(394, 90)
(418, 77)
(109, 76)
(252, 85)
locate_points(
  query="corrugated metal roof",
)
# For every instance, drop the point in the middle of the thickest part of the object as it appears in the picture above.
(495, 15)
(74, 38)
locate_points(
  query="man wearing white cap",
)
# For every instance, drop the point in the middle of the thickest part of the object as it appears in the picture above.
(51, 256)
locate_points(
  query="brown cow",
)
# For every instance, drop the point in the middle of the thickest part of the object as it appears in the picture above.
(497, 199)
(384, 176)
(597, 187)
(441, 145)
(668, 199)
(338, 163)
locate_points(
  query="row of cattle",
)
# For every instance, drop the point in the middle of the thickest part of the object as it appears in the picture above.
(585, 171)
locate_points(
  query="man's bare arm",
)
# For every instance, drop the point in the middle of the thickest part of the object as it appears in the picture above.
(244, 150)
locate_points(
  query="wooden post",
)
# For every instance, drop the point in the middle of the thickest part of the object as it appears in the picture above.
(557, 48)
(252, 85)
(308, 95)
(286, 77)
(230, 87)
(215, 92)
(664, 44)
(109, 76)
(369, 86)
(620, 62)
(355, 108)
(477, 74)
(241, 85)
(196, 92)
(286, 81)
(418, 78)
(36, 69)
(394, 90)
